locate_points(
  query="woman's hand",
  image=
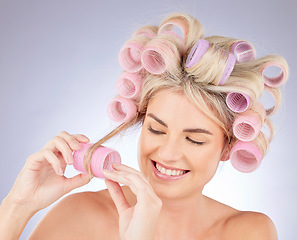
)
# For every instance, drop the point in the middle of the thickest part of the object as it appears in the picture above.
(138, 222)
(41, 182)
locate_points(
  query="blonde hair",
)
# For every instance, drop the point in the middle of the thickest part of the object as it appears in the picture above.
(200, 82)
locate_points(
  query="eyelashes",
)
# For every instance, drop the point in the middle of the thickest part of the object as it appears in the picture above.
(187, 138)
(194, 142)
(155, 131)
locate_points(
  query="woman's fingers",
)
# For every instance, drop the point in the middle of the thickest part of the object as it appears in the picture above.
(135, 181)
(65, 144)
(125, 168)
(34, 160)
(64, 148)
(117, 195)
(81, 138)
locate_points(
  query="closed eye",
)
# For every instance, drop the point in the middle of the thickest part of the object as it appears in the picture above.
(194, 142)
(154, 131)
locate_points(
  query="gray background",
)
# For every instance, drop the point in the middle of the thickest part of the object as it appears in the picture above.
(58, 68)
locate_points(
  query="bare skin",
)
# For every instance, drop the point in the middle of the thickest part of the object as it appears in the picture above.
(99, 220)
(152, 205)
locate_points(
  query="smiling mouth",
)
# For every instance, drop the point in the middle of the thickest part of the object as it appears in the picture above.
(169, 172)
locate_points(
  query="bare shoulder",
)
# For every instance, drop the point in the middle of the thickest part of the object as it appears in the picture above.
(246, 225)
(86, 215)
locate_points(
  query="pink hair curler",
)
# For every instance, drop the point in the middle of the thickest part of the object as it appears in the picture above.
(130, 57)
(247, 125)
(243, 51)
(121, 109)
(197, 52)
(181, 40)
(245, 156)
(103, 158)
(276, 81)
(238, 102)
(129, 85)
(147, 31)
(169, 26)
(153, 61)
(228, 69)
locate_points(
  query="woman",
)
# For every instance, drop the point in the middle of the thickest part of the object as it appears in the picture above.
(198, 104)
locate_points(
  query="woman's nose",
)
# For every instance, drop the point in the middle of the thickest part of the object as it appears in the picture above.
(170, 150)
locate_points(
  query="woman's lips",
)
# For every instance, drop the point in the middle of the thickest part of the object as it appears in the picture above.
(168, 173)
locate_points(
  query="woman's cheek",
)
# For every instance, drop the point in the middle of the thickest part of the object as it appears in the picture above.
(144, 146)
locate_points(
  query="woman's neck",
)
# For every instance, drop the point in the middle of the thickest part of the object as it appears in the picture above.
(182, 218)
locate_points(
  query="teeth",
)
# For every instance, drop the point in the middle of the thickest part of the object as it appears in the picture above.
(169, 172)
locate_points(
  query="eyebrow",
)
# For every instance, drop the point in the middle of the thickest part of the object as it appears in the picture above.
(189, 130)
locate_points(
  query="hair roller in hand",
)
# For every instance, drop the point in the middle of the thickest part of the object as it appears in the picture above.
(228, 68)
(130, 57)
(243, 51)
(238, 102)
(129, 85)
(247, 125)
(197, 52)
(103, 158)
(277, 80)
(245, 156)
(121, 109)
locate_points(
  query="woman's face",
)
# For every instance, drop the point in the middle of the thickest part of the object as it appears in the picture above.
(179, 147)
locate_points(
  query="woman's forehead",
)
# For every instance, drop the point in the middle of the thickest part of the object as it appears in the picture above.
(177, 110)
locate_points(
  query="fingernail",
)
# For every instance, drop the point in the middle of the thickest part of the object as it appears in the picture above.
(86, 138)
(60, 171)
(116, 165)
(105, 171)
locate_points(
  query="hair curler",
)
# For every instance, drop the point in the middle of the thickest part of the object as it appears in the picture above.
(276, 81)
(245, 156)
(129, 85)
(247, 125)
(238, 102)
(228, 68)
(243, 51)
(146, 31)
(197, 52)
(103, 158)
(130, 57)
(169, 26)
(121, 109)
(153, 61)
